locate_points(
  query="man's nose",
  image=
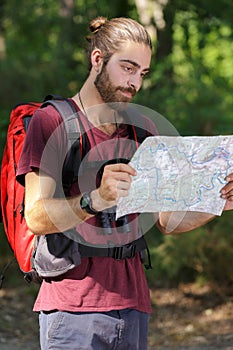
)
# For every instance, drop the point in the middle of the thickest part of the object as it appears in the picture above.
(135, 81)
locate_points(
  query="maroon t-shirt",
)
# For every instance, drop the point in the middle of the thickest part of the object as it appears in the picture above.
(99, 283)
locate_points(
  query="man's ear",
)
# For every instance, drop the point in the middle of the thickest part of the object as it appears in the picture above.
(97, 60)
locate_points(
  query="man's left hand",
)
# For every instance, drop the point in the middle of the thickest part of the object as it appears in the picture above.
(227, 192)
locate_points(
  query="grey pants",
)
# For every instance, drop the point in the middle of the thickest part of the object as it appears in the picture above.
(114, 330)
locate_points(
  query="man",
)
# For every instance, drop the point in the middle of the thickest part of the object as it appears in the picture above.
(104, 302)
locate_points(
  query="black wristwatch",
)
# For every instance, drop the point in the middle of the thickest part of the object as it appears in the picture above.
(86, 204)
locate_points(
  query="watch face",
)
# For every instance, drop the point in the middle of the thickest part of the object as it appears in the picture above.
(85, 201)
(86, 204)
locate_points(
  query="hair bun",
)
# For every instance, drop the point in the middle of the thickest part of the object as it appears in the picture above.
(97, 23)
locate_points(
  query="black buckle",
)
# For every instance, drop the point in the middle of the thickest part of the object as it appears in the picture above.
(125, 251)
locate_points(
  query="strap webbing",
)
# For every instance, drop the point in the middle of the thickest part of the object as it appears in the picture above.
(126, 251)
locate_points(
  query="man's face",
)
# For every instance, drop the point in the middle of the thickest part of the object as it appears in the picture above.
(121, 78)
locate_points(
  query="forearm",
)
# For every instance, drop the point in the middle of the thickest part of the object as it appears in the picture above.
(179, 222)
(55, 215)
(45, 214)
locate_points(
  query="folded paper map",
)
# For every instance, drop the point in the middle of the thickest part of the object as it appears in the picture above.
(176, 173)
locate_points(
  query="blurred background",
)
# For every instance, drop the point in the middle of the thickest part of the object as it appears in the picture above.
(42, 50)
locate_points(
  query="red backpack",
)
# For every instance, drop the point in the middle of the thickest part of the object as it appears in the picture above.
(20, 238)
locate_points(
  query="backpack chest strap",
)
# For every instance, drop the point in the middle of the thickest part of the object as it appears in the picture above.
(119, 253)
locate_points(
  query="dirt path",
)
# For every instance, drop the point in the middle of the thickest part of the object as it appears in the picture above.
(191, 318)
(18, 324)
(185, 318)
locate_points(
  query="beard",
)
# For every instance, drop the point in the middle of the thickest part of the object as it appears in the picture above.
(110, 93)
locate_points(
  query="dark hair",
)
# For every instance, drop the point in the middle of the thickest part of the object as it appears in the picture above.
(109, 35)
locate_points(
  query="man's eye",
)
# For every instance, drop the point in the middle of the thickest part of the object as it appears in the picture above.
(144, 74)
(128, 69)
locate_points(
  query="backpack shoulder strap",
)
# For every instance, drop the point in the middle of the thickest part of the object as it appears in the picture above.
(136, 123)
(69, 116)
(75, 134)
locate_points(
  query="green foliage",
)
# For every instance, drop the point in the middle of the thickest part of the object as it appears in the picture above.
(45, 45)
(192, 85)
(203, 254)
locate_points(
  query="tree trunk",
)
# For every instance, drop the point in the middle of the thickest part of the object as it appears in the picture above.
(165, 34)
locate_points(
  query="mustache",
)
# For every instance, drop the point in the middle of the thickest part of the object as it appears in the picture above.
(131, 90)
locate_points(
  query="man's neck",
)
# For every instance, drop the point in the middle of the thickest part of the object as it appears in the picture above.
(96, 111)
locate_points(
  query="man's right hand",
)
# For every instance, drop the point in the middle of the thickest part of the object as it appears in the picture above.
(115, 183)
